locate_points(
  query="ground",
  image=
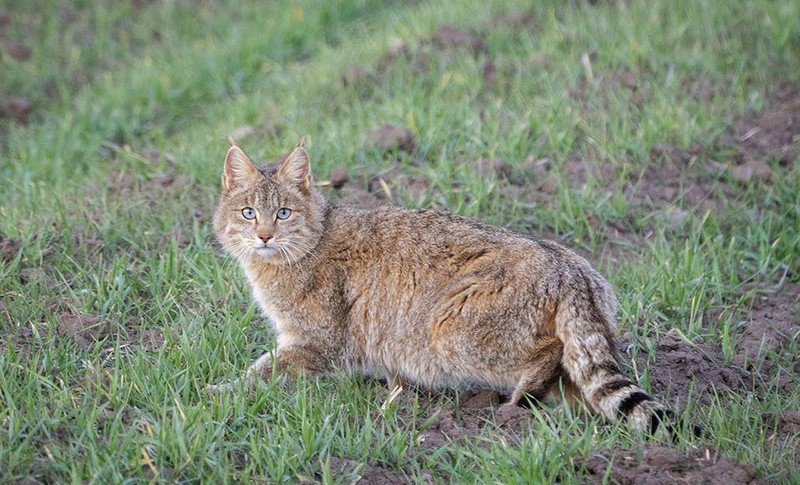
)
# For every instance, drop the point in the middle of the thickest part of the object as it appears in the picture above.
(660, 140)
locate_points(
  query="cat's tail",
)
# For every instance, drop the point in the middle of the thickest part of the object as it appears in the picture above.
(585, 323)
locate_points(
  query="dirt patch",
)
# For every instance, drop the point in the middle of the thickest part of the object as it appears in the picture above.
(772, 134)
(351, 471)
(661, 465)
(770, 336)
(675, 176)
(474, 412)
(685, 370)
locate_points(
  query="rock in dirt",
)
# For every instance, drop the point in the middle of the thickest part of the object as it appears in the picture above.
(662, 465)
(683, 369)
(389, 137)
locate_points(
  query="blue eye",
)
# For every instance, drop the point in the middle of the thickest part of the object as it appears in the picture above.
(249, 213)
(283, 213)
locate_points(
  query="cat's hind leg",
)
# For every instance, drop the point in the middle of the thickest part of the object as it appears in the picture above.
(542, 372)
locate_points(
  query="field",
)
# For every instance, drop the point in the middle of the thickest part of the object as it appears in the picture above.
(660, 139)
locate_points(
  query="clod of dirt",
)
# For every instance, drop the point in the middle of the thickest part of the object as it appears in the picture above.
(683, 369)
(451, 37)
(27, 275)
(19, 52)
(355, 472)
(81, 328)
(389, 137)
(16, 108)
(9, 248)
(338, 177)
(662, 465)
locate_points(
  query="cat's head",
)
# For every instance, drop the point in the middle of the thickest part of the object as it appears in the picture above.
(270, 213)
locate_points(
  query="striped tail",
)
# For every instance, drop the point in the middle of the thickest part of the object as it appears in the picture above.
(585, 324)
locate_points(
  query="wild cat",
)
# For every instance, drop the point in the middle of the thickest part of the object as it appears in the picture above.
(421, 297)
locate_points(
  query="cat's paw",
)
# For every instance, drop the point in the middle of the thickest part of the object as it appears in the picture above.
(225, 388)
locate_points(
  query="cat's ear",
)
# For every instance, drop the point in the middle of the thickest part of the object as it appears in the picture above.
(239, 169)
(296, 168)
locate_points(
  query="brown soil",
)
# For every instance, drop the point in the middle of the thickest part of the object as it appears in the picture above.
(389, 137)
(770, 336)
(343, 469)
(772, 134)
(661, 465)
(684, 370)
(9, 248)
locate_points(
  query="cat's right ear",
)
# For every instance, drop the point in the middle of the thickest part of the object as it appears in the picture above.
(239, 169)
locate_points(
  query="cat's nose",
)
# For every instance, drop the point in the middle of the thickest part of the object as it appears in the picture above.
(265, 236)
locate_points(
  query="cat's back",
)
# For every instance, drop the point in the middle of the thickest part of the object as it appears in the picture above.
(437, 242)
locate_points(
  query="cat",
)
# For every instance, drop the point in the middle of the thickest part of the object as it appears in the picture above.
(420, 297)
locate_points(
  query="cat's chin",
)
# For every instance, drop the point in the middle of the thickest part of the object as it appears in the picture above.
(268, 253)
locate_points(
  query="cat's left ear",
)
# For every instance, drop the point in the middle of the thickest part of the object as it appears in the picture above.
(296, 168)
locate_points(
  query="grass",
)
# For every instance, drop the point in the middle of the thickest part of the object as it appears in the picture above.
(104, 232)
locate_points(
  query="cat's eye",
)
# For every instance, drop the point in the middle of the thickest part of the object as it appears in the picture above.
(283, 213)
(249, 213)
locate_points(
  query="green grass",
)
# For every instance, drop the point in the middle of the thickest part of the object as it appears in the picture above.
(106, 236)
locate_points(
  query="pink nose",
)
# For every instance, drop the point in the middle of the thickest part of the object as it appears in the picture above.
(264, 236)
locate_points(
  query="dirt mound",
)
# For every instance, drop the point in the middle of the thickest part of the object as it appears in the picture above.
(684, 369)
(661, 465)
(476, 409)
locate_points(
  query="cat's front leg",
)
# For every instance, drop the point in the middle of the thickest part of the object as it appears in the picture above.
(291, 359)
(260, 369)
